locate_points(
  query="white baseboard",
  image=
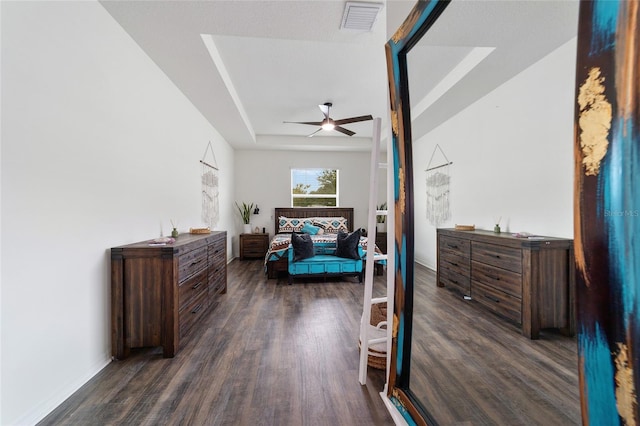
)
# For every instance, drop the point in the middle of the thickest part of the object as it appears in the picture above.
(393, 411)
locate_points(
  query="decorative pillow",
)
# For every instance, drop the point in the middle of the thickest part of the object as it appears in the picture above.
(310, 229)
(347, 244)
(302, 246)
(289, 224)
(331, 225)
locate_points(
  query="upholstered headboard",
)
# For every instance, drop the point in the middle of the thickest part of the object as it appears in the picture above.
(302, 212)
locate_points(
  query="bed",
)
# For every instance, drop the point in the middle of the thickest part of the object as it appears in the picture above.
(276, 259)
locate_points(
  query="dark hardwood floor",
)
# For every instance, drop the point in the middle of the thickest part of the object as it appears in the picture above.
(268, 354)
(474, 368)
(274, 354)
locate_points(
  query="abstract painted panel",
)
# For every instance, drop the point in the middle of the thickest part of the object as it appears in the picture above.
(607, 210)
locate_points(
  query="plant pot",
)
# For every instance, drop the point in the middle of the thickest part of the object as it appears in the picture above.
(381, 227)
(246, 228)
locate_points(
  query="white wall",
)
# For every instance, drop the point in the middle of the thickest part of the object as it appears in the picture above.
(512, 155)
(264, 177)
(98, 149)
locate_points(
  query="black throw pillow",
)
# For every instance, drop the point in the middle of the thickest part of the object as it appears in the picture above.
(347, 244)
(302, 246)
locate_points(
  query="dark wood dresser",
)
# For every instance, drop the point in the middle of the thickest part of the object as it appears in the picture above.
(528, 281)
(159, 292)
(253, 245)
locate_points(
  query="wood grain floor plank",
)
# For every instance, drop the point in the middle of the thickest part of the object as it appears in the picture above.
(270, 353)
(267, 354)
(475, 368)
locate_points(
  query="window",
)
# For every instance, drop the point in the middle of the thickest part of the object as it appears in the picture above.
(314, 187)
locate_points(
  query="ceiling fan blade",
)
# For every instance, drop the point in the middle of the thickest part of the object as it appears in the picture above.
(325, 109)
(343, 130)
(312, 123)
(311, 135)
(352, 120)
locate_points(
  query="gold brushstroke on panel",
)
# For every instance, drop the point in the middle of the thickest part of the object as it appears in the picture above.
(396, 395)
(396, 324)
(625, 391)
(578, 243)
(400, 33)
(408, 24)
(594, 121)
(394, 122)
(406, 27)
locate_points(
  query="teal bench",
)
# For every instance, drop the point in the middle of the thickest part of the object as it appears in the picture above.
(325, 264)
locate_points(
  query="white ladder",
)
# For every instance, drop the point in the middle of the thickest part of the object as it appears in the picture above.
(372, 336)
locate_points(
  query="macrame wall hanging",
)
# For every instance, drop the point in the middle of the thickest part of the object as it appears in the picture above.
(210, 204)
(438, 190)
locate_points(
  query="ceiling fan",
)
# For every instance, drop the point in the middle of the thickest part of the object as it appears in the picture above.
(330, 124)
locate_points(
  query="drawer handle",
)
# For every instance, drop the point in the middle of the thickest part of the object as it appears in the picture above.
(196, 286)
(195, 262)
(455, 282)
(493, 299)
(454, 246)
(454, 264)
(196, 309)
(497, 256)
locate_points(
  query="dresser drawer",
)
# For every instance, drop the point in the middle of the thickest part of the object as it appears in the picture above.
(503, 257)
(252, 249)
(498, 278)
(454, 263)
(218, 249)
(191, 289)
(217, 274)
(192, 312)
(217, 285)
(499, 302)
(454, 246)
(452, 279)
(217, 266)
(192, 262)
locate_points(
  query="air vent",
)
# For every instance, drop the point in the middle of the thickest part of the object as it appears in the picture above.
(360, 16)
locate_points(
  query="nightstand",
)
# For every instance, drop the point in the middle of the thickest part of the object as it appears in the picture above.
(381, 242)
(253, 245)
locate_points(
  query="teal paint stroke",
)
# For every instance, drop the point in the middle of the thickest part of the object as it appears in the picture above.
(400, 343)
(403, 411)
(604, 23)
(621, 216)
(598, 377)
(423, 17)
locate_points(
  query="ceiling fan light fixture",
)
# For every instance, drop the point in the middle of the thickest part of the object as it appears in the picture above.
(328, 126)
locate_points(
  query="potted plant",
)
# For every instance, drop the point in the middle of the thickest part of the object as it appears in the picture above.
(245, 214)
(381, 219)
